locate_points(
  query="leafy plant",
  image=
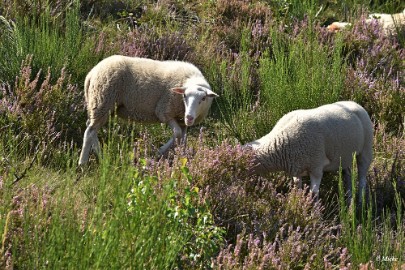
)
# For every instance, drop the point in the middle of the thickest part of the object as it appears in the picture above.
(53, 41)
(183, 210)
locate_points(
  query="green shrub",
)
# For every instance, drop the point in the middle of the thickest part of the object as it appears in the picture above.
(44, 112)
(299, 73)
(296, 72)
(53, 41)
(368, 240)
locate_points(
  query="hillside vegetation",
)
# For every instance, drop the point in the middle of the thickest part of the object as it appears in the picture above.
(197, 208)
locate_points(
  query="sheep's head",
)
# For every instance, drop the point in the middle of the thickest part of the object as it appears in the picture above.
(197, 100)
(338, 26)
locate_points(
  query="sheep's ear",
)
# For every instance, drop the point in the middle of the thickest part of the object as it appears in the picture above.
(178, 90)
(211, 93)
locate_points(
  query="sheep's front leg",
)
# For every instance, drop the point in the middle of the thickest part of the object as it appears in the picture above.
(298, 181)
(184, 136)
(177, 136)
(363, 163)
(316, 178)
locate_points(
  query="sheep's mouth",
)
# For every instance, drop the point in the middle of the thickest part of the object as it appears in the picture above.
(189, 123)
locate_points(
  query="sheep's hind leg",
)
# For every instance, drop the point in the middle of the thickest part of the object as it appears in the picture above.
(96, 144)
(90, 140)
(347, 181)
(298, 181)
(363, 163)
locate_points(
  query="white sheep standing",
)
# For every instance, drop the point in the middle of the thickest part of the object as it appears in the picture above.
(389, 22)
(316, 140)
(147, 91)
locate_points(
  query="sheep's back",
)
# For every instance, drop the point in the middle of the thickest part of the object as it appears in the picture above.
(340, 129)
(301, 140)
(152, 81)
(139, 84)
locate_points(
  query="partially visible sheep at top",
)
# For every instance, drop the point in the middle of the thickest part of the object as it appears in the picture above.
(144, 90)
(389, 22)
(310, 142)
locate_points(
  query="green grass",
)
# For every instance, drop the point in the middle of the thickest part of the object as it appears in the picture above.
(370, 238)
(55, 43)
(300, 74)
(236, 96)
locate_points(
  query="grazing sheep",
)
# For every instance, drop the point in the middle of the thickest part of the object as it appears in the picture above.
(389, 22)
(313, 141)
(147, 91)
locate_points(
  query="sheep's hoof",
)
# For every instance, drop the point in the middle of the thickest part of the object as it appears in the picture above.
(81, 163)
(161, 152)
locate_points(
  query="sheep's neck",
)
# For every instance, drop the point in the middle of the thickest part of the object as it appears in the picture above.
(277, 154)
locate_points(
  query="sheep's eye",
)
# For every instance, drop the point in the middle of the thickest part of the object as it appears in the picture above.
(203, 99)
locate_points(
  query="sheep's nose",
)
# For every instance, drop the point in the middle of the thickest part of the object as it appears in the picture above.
(189, 120)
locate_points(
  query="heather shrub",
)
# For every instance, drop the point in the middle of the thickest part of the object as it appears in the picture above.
(310, 247)
(30, 204)
(42, 113)
(355, 239)
(240, 201)
(229, 29)
(246, 10)
(383, 99)
(383, 51)
(375, 76)
(148, 42)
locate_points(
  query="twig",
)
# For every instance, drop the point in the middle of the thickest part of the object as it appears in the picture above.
(5, 127)
(24, 173)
